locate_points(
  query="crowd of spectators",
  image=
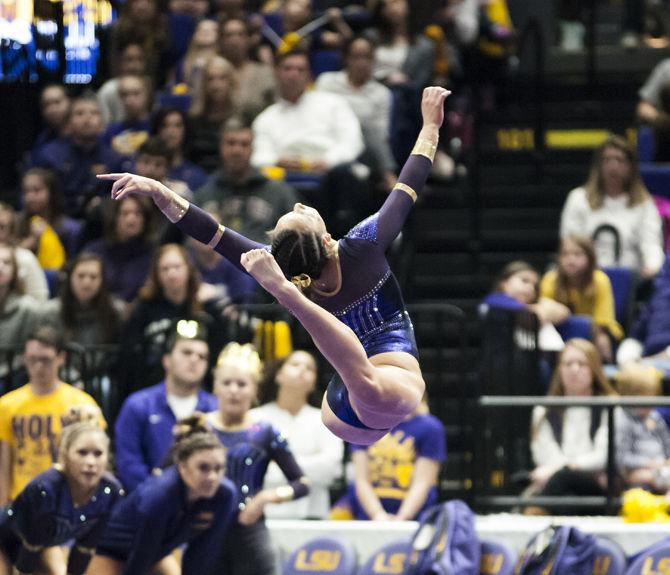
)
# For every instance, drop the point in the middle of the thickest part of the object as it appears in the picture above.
(246, 111)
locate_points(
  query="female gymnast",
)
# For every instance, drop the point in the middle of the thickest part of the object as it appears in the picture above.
(190, 504)
(70, 501)
(343, 293)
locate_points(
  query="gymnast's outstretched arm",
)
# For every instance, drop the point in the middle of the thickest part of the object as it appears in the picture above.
(188, 217)
(394, 212)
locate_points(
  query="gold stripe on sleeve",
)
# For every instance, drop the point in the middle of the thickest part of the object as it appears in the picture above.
(405, 188)
(216, 238)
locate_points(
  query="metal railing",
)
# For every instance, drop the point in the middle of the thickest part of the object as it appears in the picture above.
(610, 501)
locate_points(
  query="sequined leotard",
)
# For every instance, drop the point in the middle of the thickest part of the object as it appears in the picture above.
(369, 301)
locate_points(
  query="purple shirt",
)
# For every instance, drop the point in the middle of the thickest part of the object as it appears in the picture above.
(391, 462)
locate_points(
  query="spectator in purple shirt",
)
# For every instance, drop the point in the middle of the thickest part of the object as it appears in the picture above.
(143, 428)
(126, 249)
(80, 156)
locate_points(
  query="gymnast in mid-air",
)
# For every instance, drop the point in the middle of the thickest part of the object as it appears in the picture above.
(342, 292)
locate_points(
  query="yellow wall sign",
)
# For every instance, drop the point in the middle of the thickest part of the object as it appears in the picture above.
(515, 139)
(322, 560)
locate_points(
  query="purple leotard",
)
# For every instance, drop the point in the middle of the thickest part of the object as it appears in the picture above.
(369, 301)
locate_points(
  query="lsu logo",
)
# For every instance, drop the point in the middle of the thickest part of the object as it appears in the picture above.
(393, 564)
(601, 565)
(491, 563)
(661, 568)
(318, 560)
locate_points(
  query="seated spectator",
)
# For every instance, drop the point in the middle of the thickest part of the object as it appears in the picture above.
(153, 161)
(213, 103)
(30, 274)
(143, 428)
(654, 108)
(403, 61)
(169, 294)
(291, 29)
(402, 57)
(242, 196)
(650, 335)
(31, 417)
(615, 209)
(18, 312)
(371, 101)
(80, 156)
(129, 60)
(145, 23)
(169, 124)
(68, 503)
(250, 446)
(43, 210)
(585, 290)
(84, 311)
(256, 84)
(642, 435)
(396, 477)
(317, 451)
(516, 288)
(187, 73)
(126, 248)
(569, 446)
(317, 134)
(55, 104)
(127, 135)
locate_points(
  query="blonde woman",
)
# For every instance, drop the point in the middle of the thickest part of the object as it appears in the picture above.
(250, 445)
(213, 103)
(616, 210)
(70, 501)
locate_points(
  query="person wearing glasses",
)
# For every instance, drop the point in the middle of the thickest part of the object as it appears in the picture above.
(31, 417)
(189, 505)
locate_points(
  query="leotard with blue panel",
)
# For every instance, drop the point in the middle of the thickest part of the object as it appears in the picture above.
(369, 301)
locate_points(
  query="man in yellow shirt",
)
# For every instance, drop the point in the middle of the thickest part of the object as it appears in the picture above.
(31, 416)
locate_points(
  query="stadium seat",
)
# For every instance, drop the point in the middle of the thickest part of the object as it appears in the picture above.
(610, 558)
(323, 555)
(646, 144)
(325, 60)
(656, 176)
(655, 560)
(624, 283)
(576, 326)
(387, 560)
(53, 280)
(497, 559)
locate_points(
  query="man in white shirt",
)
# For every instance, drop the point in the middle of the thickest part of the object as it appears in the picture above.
(316, 138)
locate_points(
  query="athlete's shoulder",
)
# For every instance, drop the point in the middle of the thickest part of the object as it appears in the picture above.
(365, 230)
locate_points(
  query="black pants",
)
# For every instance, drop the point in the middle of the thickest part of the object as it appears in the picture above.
(247, 550)
(568, 482)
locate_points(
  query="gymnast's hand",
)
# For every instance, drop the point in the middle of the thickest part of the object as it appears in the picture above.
(262, 266)
(432, 105)
(128, 184)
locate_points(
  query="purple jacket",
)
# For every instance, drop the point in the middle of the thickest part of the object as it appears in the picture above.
(143, 432)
